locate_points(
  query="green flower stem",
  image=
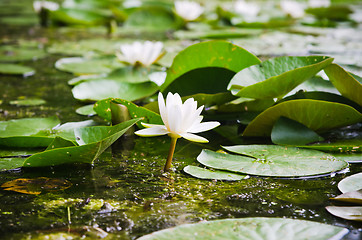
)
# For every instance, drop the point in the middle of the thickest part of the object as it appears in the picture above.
(170, 154)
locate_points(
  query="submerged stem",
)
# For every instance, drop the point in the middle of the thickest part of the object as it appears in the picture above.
(170, 154)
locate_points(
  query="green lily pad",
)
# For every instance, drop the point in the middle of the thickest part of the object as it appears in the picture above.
(73, 16)
(345, 147)
(216, 34)
(219, 56)
(93, 141)
(16, 69)
(346, 84)
(152, 18)
(349, 157)
(350, 197)
(17, 54)
(86, 110)
(27, 132)
(212, 174)
(103, 109)
(85, 46)
(322, 96)
(100, 89)
(333, 12)
(250, 228)
(351, 183)
(349, 213)
(124, 74)
(277, 76)
(79, 65)
(28, 102)
(289, 132)
(271, 160)
(316, 115)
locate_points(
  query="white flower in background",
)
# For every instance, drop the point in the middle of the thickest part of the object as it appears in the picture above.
(319, 3)
(188, 10)
(140, 53)
(180, 120)
(293, 8)
(246, 9)
(38, 5)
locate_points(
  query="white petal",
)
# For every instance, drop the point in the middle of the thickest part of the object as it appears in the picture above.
(174, 117)
(162, 109)
(149, 125)
(194, 138)
(153, 131)
(202, 127)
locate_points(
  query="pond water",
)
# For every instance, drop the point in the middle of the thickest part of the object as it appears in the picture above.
(124, 195)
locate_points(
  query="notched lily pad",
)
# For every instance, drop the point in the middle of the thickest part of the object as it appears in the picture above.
(36, 185)
(220, 55)
(249, 228)
(28, 102)
(18, 53)
(213, 174)
(351, 183)
(271, 160)
(350, 197)
(316, 115)
(16, 69)
(277, 76)
(349, 213)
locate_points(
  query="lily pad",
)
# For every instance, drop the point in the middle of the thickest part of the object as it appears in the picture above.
(27, 132)
(28, 102)
(86, 110)
(73, 16)
(16, 69)
(271, 160)
(93, 141)
(289, 132)
(345, 147)
(350, 197)
(152, 18)
(103, 109)
(277, 76)
(221, 55)
(251, 228)
(349, 157)
(17, 54)
(346, 84)
(351, 183)
(100, 89)
(349, 213)
(316, 115)
(79, 65)
(212, 174)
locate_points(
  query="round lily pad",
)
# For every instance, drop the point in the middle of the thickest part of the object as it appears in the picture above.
(15, 69)
(351, 183)
(349, 213)
(86, 110)
(16, 54)
(251, 228)
(79, 65)
(101, 89)
(28, 102)
(272, 160)
(212, 174)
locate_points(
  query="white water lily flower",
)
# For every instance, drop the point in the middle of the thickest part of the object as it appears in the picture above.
(145, 53)
(246, 9)
(188, 10)
(293, 8)
(38, 5)
(181, 120)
